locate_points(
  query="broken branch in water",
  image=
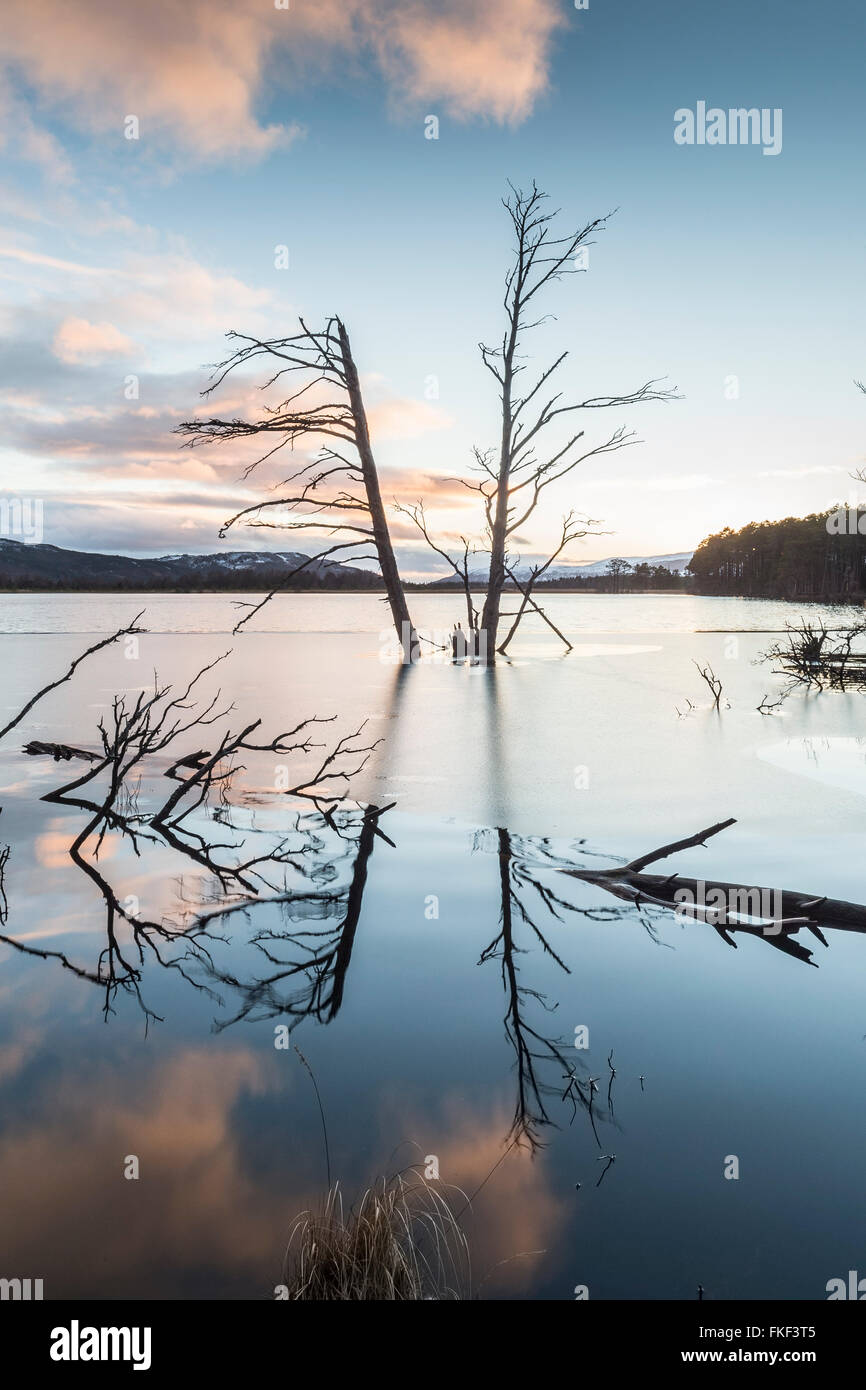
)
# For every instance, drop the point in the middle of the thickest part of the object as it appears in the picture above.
(689, 898)
(97, 646)
(713, 681)
(815, 656)
(666, 850)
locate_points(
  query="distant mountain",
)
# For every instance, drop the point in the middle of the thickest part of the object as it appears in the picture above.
(675, 563)
(25, 566)
(558, 573)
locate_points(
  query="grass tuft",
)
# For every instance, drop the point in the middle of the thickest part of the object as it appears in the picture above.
(400, 1242)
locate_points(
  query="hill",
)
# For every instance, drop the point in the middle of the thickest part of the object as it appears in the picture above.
(24, 566)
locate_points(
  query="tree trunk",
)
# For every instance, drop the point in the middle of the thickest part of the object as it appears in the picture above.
(499, 537)
(381, 534)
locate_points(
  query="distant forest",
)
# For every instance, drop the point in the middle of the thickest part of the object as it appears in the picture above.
(619, 578)
(822, 556)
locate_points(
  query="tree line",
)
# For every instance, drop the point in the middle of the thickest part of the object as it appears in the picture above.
(821, 556)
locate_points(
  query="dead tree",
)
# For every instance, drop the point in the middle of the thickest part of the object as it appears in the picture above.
(512, 484)
(712, 682)
(335, 494)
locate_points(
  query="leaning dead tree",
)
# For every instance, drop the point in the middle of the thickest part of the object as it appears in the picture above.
(336, 493)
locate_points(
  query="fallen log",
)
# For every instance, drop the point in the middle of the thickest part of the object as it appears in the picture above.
(793, 910)
(60, 752)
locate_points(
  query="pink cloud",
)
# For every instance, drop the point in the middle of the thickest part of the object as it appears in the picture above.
(403, 418)
(77, 340)
(489, 58)
(195, 69)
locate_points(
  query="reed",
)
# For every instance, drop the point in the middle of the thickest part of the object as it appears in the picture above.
(401, 1241)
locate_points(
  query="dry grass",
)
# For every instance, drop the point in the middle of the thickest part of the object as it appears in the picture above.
(401, 1242)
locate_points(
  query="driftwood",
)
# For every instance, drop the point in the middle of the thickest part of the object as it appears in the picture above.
(817, 656)
(798, 910)
(60, 752)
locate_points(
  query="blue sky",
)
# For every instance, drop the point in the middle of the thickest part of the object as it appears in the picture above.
(305, 128)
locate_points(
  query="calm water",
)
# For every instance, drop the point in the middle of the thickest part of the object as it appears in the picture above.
(435, 978)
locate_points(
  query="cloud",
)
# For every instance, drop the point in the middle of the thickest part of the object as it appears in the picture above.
(76, 340)
(36, 258)
(800, 472)
(661, 482)
(190, 69)
(681, 482)
(22, 139)
(182, 1117)
(404, 418)
(489, 58)
(196, 70)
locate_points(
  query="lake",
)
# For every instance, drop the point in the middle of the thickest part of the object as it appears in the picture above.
(438, 975)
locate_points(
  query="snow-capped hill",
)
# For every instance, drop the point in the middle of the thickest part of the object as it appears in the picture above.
(676, 563)
(24, 566)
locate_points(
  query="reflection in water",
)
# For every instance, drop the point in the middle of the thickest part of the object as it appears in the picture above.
(258, 899)
(309, 883)
(137, 741)
(4, 905)
(523, 893)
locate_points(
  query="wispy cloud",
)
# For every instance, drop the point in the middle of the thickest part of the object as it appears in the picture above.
(811, 472)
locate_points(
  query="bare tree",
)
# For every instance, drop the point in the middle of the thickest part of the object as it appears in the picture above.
(512, 484)
(334, 493)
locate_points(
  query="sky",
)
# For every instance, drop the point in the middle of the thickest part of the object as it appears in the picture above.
(735, 274)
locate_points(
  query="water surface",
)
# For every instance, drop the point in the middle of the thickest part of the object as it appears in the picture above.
(434, 979)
